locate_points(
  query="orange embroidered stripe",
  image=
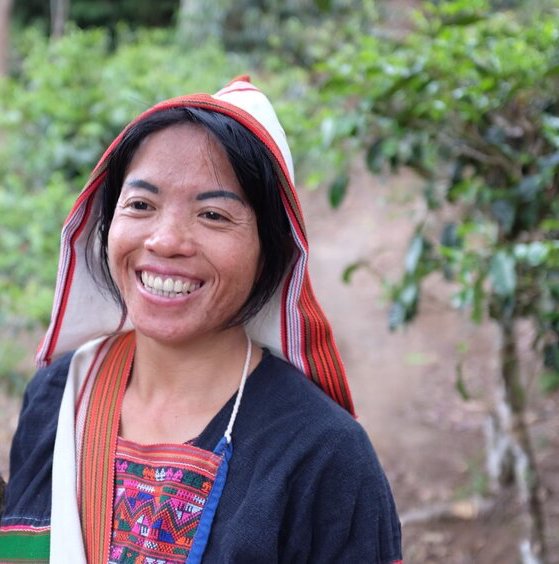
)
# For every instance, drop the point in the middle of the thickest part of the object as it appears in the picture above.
(314, 340)
(100, 436)
(90, 376)
(327, 368)
(325, 350)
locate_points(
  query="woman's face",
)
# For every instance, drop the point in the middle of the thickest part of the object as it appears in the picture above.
(183, 245)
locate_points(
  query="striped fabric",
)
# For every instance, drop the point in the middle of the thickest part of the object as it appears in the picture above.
(98, 447)
(19, 543)
(293, 324)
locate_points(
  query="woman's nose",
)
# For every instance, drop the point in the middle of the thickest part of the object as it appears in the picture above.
(171, 237)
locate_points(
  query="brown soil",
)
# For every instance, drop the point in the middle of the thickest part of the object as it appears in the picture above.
(429, 440)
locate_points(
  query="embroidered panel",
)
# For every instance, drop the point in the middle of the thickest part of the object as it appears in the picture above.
(160, 492)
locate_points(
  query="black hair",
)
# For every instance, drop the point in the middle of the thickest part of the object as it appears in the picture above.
(255, 170)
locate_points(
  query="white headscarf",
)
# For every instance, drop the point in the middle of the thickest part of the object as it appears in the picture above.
(292, 324)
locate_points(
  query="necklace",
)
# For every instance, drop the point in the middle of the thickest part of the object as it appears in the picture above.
(244, 376)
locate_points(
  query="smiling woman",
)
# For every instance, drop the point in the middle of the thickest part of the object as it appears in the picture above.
(182, 218)
(176, 416)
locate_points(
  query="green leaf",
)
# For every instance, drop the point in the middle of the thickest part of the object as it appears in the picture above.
(502, 273)
(413, 256)
(338, 190)
(350, 270)
(504, 213)
(533, 254)
(530, 186)
(375, 157)
(450, 237)
(430, 195)
(413, 82)
(323, 5)
(552, 71)
(396, 316)
(460, 384)
(551, 224)
(549, 382)
(460, 20)
(478, 299)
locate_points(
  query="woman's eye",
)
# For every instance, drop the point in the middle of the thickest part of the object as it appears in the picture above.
(213, 216)
(139, 205)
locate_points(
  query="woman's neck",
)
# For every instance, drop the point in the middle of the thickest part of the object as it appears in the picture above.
(174, 392)
(198, 371)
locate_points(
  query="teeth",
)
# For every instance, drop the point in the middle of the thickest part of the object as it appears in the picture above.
(168, 287)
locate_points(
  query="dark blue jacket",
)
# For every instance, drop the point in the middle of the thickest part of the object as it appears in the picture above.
(304, 483)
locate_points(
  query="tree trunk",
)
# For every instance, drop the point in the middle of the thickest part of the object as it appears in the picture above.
(5, 12)
(510, 453)
(59, 10)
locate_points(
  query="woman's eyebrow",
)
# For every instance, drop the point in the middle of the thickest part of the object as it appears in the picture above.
(219, 194)
(139, 183)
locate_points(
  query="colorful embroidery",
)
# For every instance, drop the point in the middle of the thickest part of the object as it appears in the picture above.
(160, 492)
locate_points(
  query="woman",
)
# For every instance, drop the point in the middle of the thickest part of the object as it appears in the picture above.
(176, 417)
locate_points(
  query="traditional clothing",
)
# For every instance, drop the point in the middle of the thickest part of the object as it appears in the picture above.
(302, 484)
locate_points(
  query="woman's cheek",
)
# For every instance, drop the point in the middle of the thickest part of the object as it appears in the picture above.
(114, 254)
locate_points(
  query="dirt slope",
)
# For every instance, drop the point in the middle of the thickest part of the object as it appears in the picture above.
(429, 440)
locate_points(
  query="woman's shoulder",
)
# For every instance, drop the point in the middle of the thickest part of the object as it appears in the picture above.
(28, 492)
(50, 380)
(279, 391)
(318, 449)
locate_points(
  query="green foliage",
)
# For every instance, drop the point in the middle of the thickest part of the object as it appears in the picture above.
(89, 13)
(338, 190)
(477, 483)
(470, 101)
(63, 105)
(296, 31)
(11, 355)
(285, 39)
(460, 384)
(549, 382)
(61, 109)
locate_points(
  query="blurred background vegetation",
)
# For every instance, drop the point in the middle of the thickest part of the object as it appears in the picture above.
(463, 92)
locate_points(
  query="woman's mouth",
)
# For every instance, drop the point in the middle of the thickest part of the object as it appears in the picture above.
(167, 286)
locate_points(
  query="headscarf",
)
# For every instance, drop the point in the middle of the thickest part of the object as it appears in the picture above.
(292, 324)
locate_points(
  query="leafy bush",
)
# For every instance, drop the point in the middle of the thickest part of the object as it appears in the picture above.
(469, 101)
(87, 13)
(64, 105)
